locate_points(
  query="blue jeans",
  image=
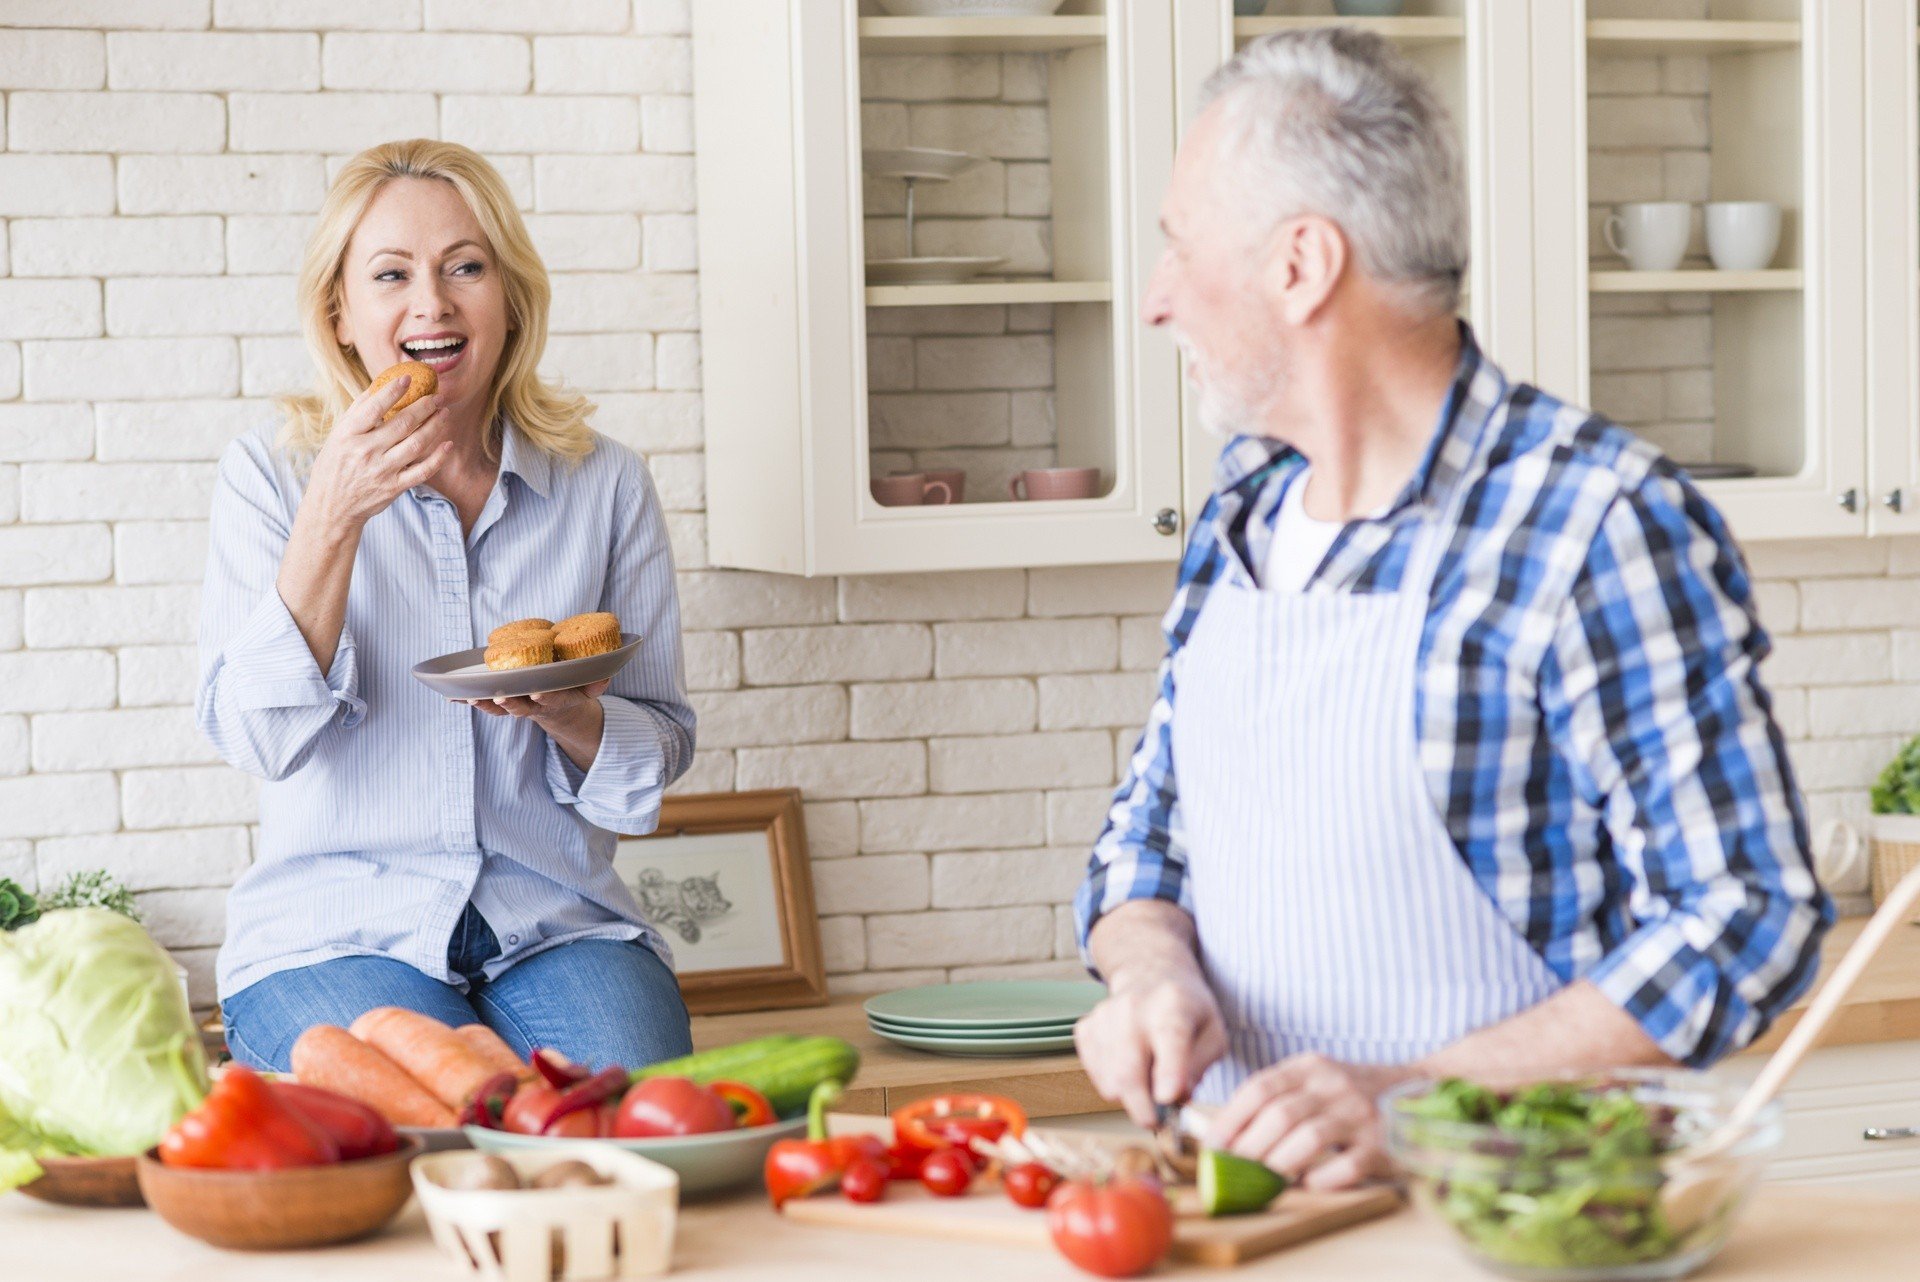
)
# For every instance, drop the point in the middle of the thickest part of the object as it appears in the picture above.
(597, 1001)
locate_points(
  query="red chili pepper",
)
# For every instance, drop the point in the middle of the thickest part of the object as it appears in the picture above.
(242, 1125)
(489, 1103)
(590, 1093)
(558, 1073)
(750, 1107)
(358, 1130)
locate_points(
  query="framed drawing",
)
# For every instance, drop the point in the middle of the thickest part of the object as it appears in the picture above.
(726, 879)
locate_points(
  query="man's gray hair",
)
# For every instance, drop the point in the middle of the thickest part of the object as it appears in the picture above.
(1336, 122)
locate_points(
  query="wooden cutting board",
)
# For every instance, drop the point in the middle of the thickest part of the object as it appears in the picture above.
(986, 1215)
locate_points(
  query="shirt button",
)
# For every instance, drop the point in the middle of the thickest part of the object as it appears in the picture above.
(513, 939)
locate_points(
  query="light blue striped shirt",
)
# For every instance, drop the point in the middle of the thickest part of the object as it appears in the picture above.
(388, 808)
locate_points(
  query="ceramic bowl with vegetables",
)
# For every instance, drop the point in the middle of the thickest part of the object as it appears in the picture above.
(1578, 1179)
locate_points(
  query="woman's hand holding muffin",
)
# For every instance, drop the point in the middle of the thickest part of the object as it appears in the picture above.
(374, 454)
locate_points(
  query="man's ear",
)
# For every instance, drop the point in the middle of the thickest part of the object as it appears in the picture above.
(1309, 257)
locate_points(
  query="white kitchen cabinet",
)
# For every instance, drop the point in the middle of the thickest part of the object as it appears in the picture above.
(819, 379)
(1841, 1096)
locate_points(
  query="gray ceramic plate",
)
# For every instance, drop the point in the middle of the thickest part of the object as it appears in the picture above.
(1009, 1004)
(464, 674)
(994, 1047)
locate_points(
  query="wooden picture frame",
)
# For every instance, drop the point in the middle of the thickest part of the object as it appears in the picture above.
(789, 972)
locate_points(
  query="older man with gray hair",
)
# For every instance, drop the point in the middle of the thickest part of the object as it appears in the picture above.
(1460, 762)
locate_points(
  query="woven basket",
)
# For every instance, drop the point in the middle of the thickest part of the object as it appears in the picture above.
(1896, 851)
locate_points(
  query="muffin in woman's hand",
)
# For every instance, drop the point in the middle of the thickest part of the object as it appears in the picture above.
(586, 634)
(522, 649)
(518, 626)
(423, 382)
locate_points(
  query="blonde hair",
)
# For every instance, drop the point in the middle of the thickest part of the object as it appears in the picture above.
(553, 420)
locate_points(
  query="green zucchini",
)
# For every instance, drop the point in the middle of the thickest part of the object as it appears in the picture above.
(707, 1065)
(784, 1069)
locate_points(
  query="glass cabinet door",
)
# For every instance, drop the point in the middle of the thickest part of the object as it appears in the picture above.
(1892, 249)
(1711, 262)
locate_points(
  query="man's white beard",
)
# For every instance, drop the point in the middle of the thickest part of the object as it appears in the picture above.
(1222, 413)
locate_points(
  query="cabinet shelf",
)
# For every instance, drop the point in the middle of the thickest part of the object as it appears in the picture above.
(1672, 36)
(981, 292)
(980, 35)
(1404, 31)
(1693, 281)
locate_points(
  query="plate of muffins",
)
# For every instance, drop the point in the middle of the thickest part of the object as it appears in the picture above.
(533, 656)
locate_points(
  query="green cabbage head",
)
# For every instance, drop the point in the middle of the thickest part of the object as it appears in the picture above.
(98, 1052)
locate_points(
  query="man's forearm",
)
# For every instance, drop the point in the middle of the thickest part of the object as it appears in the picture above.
(1143, 939)
(1577, 1030)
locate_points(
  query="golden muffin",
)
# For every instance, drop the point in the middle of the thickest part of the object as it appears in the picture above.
(424, 382)
(517, 627)
(586, 634)
(521, 650)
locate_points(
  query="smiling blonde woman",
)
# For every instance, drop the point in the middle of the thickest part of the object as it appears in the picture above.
(447, 858)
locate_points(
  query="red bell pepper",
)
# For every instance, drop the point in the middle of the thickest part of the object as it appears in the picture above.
(797, 1168)
(750, 1107)
(243, 1125)
(359, 1131)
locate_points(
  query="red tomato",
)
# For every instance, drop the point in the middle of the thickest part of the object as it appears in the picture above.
(671, 1106)
(528, 1107)
(1116, 1230)
(865, 1180)
(956, 1119)
(1030, 1184)
(946, 1172)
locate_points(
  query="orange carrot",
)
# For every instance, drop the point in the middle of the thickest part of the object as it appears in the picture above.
(487, 1044)
(335, 1059)
(429, 1050)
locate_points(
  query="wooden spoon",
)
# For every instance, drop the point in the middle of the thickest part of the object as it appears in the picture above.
(1697, 1183)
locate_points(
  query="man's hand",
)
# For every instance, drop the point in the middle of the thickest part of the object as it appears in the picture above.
(1159, 1028)
(1311, 1118)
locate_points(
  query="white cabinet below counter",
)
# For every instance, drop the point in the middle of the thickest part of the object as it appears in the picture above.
(1839, 1094)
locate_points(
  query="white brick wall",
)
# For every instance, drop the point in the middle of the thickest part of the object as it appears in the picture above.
(956, 734)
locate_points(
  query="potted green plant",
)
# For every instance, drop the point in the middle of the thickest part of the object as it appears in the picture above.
(1896, 819)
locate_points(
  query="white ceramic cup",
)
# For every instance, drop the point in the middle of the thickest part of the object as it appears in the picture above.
(1743, 235)
(1651, 235)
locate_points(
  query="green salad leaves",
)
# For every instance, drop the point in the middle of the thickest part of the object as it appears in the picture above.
(99, 1055)
(1566, 1177)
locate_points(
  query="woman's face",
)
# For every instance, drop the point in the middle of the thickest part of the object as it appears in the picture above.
(419, 282)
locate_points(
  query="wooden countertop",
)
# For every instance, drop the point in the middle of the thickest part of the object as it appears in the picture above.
(1786, 1236)
(1885, 1007)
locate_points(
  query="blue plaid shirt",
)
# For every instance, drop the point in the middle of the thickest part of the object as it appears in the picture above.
(1590, 713)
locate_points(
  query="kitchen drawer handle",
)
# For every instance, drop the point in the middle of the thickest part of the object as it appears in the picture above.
(1891, 1133)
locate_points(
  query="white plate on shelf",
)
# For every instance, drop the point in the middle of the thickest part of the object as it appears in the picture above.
(464, 673)
(928, 271)
(917, 162)
(968, 8)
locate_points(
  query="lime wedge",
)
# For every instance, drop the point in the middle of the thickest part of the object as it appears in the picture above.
(1231, 1185)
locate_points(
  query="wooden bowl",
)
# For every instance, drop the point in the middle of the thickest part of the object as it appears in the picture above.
(279, 1210)
(87, 1181)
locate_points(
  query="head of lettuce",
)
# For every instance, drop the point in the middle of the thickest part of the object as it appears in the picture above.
(98, 1052)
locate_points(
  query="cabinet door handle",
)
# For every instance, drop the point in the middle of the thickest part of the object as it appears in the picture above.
(1166, 521)
(1891, 1133)
(1894, 500)
(1850, 499)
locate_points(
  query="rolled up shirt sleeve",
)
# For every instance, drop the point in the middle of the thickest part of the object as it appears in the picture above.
(1653, 685)
(647, 737)
(263, 700)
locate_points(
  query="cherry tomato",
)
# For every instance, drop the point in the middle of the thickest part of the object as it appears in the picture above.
(528, 1108)
(865, 1180)
(671, 1106)
(1116, 1230)
(956, 1119)
(946, 1172)
(1030, 1184)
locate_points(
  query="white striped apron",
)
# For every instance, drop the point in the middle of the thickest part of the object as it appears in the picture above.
(1334, 912)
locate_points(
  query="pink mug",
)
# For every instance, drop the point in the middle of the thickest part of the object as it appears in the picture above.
(953, 478)
(909, 489)
(1044, 483)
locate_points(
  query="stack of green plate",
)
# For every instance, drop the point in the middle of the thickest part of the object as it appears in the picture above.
(990, 1017)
